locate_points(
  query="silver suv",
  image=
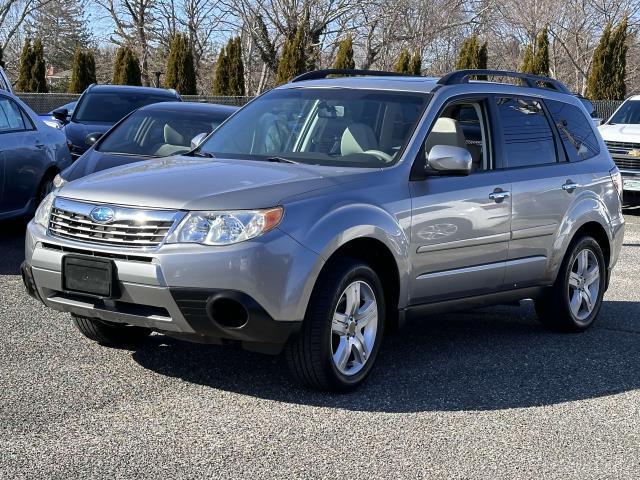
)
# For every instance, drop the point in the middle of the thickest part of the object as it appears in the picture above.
(325, 212)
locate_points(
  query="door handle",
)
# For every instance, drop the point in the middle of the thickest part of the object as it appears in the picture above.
(570, 186)
(499, 195)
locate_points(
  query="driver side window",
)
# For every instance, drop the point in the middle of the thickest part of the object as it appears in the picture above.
(462, 124)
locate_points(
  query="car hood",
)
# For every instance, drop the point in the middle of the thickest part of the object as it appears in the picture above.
(620, 132)
(77, 132)
(188, 183)
(94, 161)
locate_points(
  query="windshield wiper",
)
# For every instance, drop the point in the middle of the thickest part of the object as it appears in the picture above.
(198, 153)
(281, 160)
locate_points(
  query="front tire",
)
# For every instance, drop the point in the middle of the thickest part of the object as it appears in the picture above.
(110, 334)
(343, 329)
(573, 302)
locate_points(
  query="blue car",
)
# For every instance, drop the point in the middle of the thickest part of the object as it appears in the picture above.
(31, 154)
(154, 131)
(51, 120)
(102, 106)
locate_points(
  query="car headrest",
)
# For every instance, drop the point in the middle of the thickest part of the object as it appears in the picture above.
(358, 138)
(446, 131)
(172, 137)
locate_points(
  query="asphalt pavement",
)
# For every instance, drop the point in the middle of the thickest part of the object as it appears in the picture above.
(482, 394)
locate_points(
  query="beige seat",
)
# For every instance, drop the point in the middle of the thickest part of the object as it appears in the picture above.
(358, 138)
(174, 142)
(446, 131)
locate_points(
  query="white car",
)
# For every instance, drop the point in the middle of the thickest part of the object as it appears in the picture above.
(621, 134)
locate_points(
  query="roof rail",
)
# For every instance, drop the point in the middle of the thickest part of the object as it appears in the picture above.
(320, 74)
(532, 81)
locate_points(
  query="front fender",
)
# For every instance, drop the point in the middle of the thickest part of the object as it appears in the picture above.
(344, 223)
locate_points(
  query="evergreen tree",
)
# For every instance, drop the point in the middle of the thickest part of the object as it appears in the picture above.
(536, 59)
(344, 57)
(181, 74)
(528, 61)
(403, 64)
(541, 58)
(221, 80)
(63, 24)
(473, 55)
(38, 81)
(126, 70)
(602, 65)
(619, 48)
(26, 66)
(416, 63)
(236, 68)
(292, 62)
(83, 70)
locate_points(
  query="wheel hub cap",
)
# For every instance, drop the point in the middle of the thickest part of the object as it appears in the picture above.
(584, 284)
(354, 327)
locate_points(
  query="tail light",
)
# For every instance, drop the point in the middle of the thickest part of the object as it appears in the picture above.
(616, 178)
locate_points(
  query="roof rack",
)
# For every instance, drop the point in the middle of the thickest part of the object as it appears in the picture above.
(532, 81)
(320, 74)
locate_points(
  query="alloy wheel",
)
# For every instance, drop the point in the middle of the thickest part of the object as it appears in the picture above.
(584, 284)
(354, 328)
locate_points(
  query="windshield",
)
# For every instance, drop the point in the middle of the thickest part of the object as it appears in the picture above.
(327, 126)
(628, 113)
(109, 107)
(159, 133)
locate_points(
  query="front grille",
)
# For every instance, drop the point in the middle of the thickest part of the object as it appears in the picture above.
(620, 153)
(130, 227)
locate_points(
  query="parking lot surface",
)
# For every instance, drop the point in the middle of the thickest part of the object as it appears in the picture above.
(483, 394)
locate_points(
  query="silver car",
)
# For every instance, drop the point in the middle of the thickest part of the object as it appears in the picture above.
(327, 211)
(31, 155)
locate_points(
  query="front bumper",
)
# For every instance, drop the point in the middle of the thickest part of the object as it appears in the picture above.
(630, 180)
(172, 289)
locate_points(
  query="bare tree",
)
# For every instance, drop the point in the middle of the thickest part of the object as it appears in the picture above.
(133, 25)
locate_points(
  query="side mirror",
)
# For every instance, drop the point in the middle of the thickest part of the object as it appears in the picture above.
(61, 114)
(198, 139)
(92, 138)
(450, 159)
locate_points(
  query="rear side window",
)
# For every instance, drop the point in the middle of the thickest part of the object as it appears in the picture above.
(10, 116)
(575, 130)
(528, 138)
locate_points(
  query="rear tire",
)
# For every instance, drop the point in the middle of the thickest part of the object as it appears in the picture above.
(342, 331)
(573, 303)
(110, 334)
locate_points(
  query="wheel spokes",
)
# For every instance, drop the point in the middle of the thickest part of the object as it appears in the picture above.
(353, 298)
(368, 312)
(343, 353)
(360, 348)
(583, 262)
(574, 280)
(339, 323)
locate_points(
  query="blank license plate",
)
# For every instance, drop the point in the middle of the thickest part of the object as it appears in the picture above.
(93, 276)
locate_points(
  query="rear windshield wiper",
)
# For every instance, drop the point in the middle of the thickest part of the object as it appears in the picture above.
(281, 160)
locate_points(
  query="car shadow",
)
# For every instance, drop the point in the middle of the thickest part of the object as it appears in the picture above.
(11, 246)
(487, 359)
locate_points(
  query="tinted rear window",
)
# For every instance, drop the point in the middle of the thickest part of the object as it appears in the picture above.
(109, 107)
(575, 129)
(528, 138)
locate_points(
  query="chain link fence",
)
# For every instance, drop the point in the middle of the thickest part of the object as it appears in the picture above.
(605, 108)
(42, 103)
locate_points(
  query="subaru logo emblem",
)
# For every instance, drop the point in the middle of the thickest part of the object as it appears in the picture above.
(102, 214)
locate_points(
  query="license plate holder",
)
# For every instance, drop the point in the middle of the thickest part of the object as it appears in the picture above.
(88, 276)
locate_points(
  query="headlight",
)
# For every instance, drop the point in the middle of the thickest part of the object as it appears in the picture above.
(225, 228)
(58, 181)
(44, 210)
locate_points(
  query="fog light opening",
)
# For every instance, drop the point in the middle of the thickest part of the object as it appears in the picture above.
(228, 313)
